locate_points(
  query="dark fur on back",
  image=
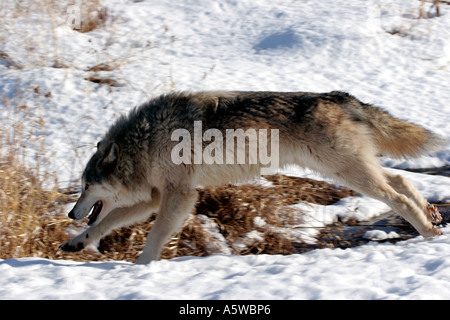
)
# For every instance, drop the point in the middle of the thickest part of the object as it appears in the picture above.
(286, 111)
(278, 109)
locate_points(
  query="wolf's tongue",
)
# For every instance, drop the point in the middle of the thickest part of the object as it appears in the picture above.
(95, 212)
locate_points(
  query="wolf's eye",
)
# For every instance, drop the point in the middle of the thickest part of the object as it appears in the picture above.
(86, 187)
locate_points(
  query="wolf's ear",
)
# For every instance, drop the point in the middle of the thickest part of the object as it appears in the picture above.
(111, 154)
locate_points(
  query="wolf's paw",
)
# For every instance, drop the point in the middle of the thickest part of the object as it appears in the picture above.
(72, 247)
(437, 231)
(433, 214)
(431, 232)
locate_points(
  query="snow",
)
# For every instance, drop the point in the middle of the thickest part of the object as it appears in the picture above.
(377, 235)
(413, 269)
(377, 50)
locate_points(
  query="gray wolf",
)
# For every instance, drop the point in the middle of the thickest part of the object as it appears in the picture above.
(132, 174)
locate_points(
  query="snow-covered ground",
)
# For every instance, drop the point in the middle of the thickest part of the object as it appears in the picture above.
(414, 269)
(377, 50)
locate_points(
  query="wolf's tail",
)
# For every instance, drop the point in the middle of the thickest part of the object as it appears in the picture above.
(392, 136)
(399, 138)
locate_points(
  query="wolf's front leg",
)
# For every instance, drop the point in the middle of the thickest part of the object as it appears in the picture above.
(176, 205)
(117, 218)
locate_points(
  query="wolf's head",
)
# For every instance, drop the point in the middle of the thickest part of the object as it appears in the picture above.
(102, 188)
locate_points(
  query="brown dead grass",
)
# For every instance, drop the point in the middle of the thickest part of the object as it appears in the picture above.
(93, 16)
(30, 217)
(104, 80)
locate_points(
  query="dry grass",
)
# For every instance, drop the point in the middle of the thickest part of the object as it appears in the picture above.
(93, 16)
(30, 217)
(427, 9)
(9, 62)
(104, 80)
(434, 7)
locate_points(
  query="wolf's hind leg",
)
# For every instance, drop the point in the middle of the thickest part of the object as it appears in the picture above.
(403, 186)
(117, 218)
(372, 180)
(176, 205)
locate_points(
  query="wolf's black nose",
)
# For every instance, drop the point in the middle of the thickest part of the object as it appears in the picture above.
(71, 214)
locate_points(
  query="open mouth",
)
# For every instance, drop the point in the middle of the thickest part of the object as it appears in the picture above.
(96, 209)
